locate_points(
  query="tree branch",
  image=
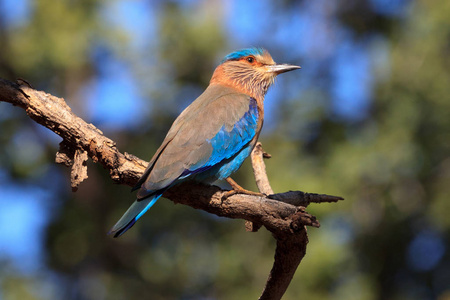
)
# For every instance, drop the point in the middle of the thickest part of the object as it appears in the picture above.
(282, 214)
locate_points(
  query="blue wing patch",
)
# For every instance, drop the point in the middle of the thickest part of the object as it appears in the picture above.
(228, 144)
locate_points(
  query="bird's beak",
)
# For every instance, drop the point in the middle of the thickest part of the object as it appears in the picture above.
(278, 69)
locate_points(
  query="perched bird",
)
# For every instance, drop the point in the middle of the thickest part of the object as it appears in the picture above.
(213, 136)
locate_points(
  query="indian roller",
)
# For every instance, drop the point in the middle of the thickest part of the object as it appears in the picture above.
(213, 136)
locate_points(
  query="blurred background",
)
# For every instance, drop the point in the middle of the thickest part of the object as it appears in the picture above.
(367, 118)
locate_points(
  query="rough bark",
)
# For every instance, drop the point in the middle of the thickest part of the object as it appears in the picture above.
(283, 214)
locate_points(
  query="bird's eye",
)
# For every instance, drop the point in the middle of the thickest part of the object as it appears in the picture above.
(250, 59)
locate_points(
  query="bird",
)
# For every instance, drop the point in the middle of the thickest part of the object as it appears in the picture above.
(213, 136)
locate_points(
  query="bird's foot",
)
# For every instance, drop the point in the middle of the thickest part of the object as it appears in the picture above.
(241, 191)
(237, 189)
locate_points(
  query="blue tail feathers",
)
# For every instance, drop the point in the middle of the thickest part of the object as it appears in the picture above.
(129, 218)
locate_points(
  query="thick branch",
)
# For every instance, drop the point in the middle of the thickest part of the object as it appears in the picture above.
(289, 252)
(282, 214)
(53, 113)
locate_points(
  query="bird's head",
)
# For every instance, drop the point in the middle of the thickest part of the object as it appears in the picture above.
(250, 70)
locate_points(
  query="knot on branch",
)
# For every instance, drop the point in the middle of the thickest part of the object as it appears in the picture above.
(301, 219)
(75, 158)
(65, 154)
(79, 169)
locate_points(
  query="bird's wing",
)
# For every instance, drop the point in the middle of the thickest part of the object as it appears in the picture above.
(209, 131)
(211, 94)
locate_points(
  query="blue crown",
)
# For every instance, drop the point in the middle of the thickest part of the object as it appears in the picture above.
(242, 53)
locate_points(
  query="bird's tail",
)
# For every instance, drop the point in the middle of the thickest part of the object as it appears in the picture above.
(129, 218)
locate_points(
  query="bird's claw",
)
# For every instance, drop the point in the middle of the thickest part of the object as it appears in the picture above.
(237, 189)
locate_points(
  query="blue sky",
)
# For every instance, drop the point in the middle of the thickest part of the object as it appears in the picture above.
(22, 222)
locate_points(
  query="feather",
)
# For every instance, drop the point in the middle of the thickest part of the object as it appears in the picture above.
(136, 210)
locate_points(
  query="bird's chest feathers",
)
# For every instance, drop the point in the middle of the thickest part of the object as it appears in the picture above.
(247, 83)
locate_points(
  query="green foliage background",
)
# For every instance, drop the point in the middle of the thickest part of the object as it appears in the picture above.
(388, 240)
